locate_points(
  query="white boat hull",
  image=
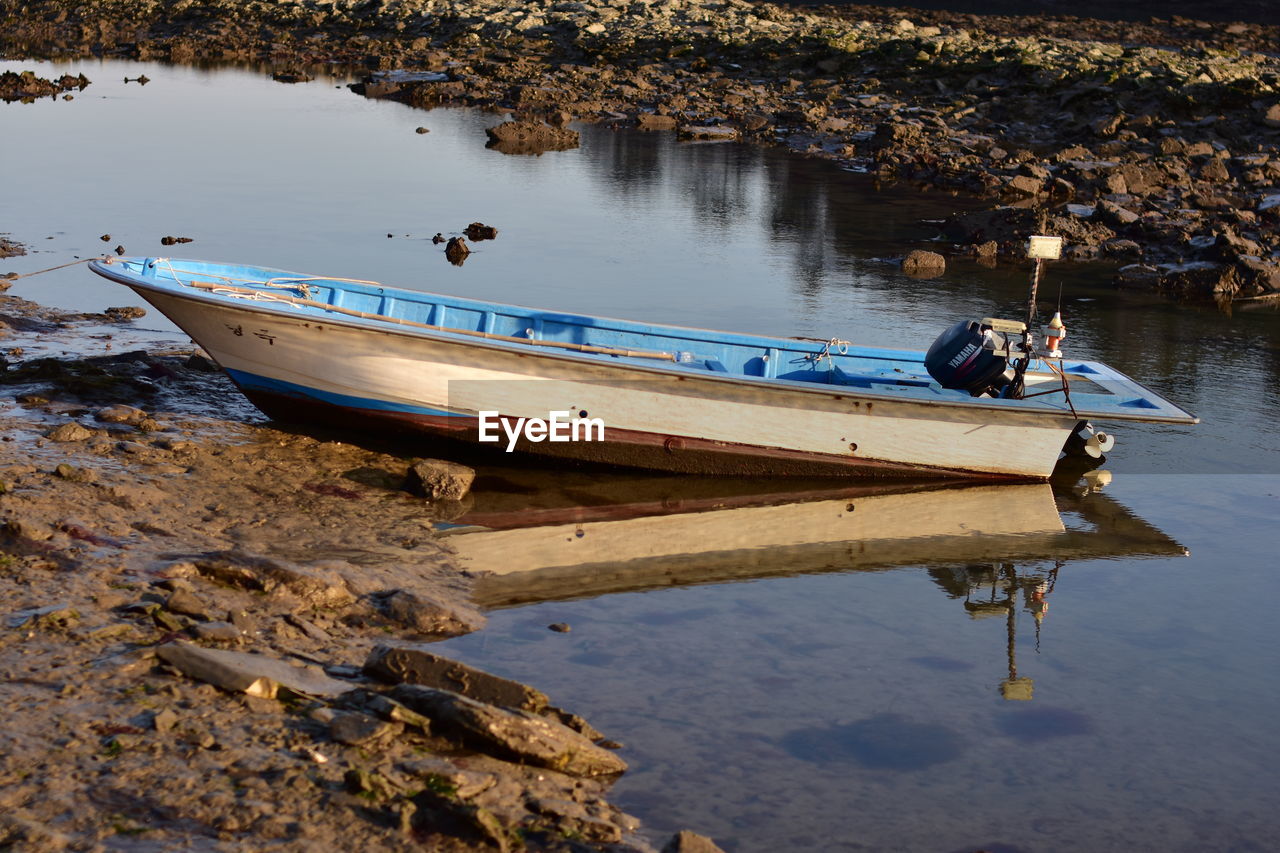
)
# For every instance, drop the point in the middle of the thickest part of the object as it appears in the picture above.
(294, 367)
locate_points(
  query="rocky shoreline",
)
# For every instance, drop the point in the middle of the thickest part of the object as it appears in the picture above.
(1162, 157)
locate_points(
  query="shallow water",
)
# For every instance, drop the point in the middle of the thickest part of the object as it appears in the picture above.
(844, 693)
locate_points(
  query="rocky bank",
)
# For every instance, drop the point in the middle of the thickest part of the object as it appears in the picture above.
(1153, 143)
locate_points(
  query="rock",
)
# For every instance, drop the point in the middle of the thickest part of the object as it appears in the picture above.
(437, 479)
(164, 720)
(69, 432)
(1214, 171)
(313, 585)
(528, 137)
(428, 616)
(74, 474)
(1198, 279)
(708, 133)
(653, 121)
(1137, 276)
(690, 842)
(1115, 215)
(1107, 125)
(560, 627)
(22, 617)
(1114, 184)
(354, 728)
(1024, 185)
(922, 264)
(412, 665)
(1271, 116)
(121, 415)
(478, 231)
(125, 313)
(256, 675)
(1122, 247)
(520, 735)
(1257, 276)
(456, 251)
(218, 632)
(443, 773)
(186, 603)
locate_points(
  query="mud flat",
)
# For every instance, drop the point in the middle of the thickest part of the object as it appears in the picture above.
(214, 632)
(1139, 142)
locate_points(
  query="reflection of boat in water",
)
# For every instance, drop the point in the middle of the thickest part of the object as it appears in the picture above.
(590, 539)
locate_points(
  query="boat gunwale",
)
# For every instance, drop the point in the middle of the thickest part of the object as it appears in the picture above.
(117, 270)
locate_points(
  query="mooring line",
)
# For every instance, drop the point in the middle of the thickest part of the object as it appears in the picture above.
(12, 277)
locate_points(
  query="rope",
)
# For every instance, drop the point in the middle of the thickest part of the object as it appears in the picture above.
(840, 346)
(12, 277)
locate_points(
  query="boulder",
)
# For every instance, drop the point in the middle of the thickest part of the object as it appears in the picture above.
(437, 479)
(1198, 279)
(1257, 276)
(456, 250)
(478, 231)
(923, 264)
(529, 137)
(411, 665)
(518, 735)
(1024, 186)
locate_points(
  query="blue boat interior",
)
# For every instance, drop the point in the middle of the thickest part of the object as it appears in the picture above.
(1095, 389)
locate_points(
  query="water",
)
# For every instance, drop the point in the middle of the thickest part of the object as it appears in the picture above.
(843, 693)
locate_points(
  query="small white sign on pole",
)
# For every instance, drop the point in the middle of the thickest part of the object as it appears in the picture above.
(1047, 248)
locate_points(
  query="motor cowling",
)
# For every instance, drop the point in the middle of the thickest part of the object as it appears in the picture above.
(961, 360)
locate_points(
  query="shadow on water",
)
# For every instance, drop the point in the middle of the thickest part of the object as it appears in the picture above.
(882, 742)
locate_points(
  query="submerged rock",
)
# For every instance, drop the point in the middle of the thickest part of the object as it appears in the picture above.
(922, 264)
(690, 842)
(456, 251)
(478, 231)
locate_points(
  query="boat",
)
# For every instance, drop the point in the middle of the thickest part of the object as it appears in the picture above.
(367, 356)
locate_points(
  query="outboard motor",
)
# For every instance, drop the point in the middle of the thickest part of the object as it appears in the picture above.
(963, 358)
